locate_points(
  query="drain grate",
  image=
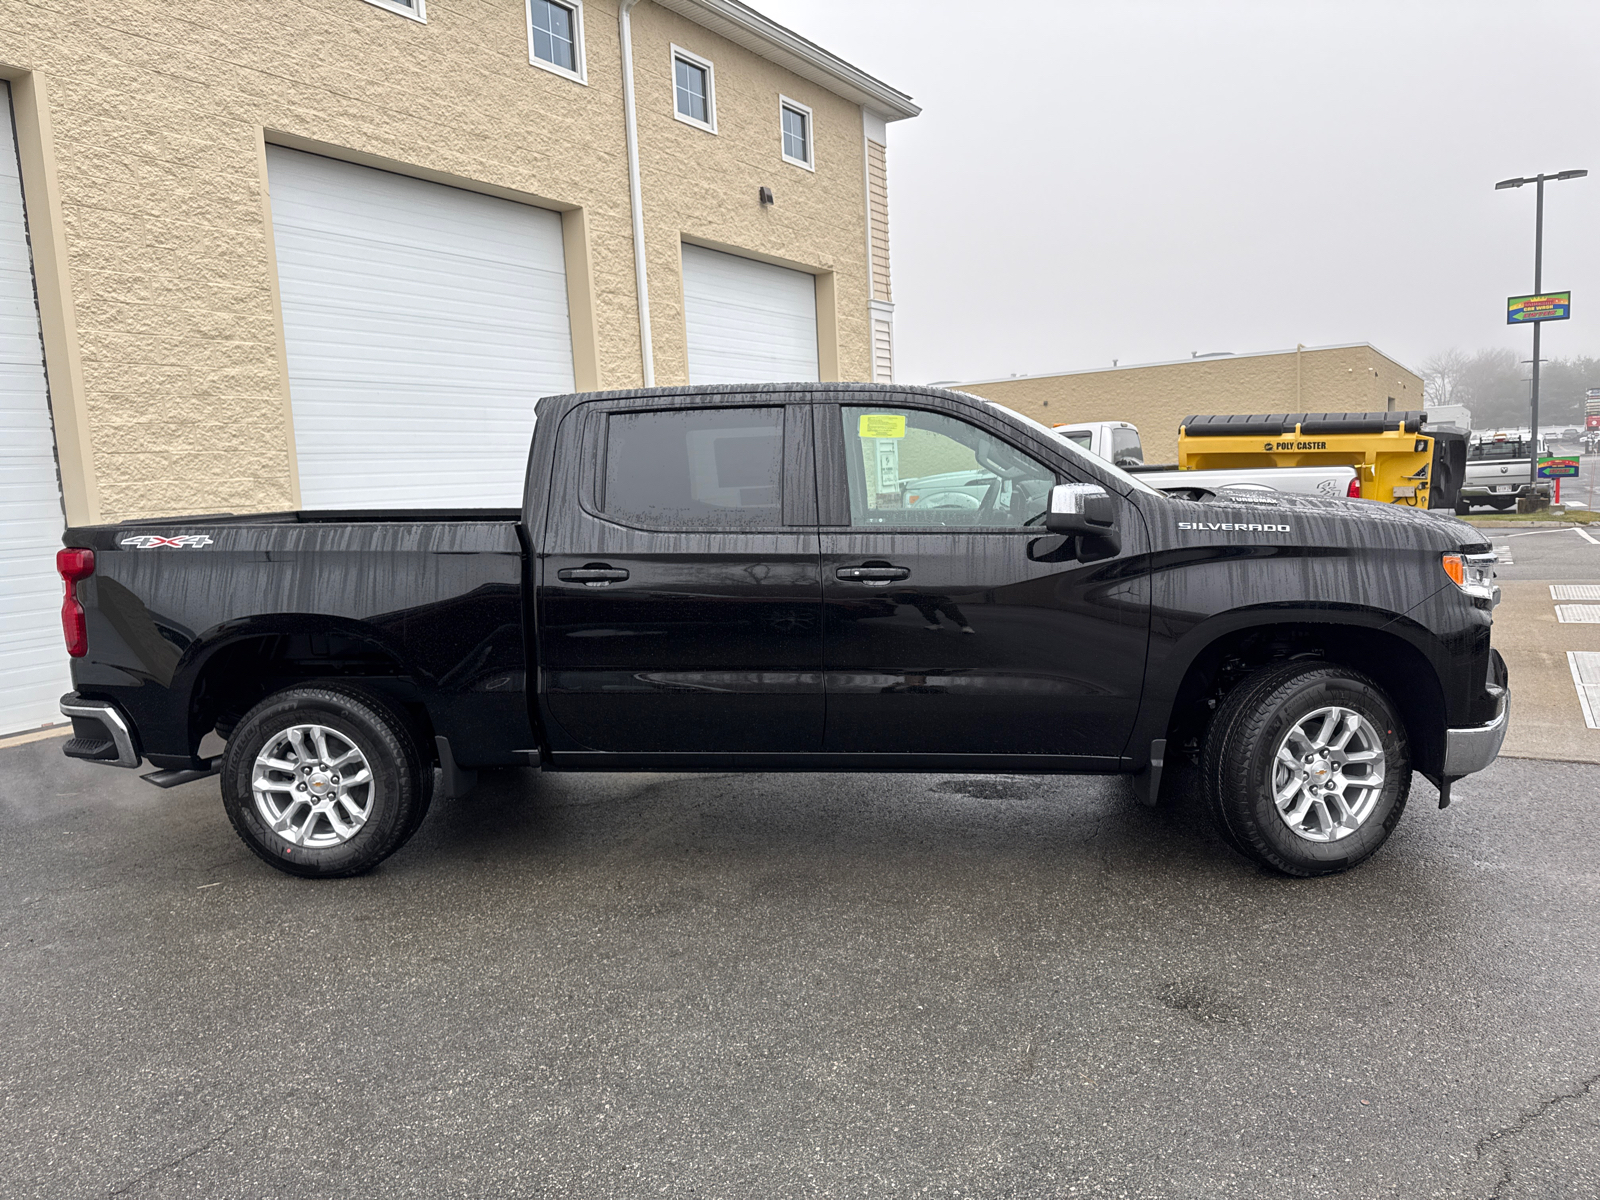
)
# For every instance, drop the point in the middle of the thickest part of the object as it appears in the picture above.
(1575, 591)
(1578, 614)
(1585, 666)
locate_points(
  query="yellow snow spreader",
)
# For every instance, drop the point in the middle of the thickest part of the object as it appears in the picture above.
(1395, 461)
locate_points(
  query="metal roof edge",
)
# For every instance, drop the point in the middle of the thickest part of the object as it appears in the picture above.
(761, 35)
(1174, 362)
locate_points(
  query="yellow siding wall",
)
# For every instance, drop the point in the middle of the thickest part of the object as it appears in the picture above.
(160, 109)
(1157, 398)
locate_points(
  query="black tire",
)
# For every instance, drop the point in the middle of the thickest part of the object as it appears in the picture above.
(1239, 751)
(1462, 508)
(1501, 505)
(401, 790)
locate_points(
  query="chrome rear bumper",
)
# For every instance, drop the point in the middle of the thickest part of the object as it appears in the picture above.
(116, 747)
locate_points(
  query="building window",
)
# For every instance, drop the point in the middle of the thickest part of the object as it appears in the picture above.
(555, 37)
(794, 122)
(694, 96)
(415, 9)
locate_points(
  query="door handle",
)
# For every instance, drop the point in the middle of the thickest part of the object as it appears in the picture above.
(873, 574)
(592, 574)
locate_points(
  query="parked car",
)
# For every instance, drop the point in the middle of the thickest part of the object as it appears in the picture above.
(729, 579)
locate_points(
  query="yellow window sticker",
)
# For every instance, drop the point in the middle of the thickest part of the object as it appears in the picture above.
(883, 425)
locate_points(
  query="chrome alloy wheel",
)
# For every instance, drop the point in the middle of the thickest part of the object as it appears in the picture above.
(312, 786)
(1328, 774)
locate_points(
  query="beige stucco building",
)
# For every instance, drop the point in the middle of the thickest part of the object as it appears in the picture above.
(151, 136)
(257, 256)
(1157, 396)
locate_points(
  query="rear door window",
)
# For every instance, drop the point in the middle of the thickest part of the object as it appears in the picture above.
(694, 469)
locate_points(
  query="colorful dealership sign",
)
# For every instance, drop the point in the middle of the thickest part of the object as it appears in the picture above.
(1552, 306)
(1558, 466)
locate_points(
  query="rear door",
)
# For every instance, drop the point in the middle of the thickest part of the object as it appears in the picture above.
(951, 626)
(679, 593)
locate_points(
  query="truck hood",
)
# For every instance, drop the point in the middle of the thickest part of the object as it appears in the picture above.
(1280, 519)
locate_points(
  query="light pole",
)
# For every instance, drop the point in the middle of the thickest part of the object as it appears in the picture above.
(1538, 285)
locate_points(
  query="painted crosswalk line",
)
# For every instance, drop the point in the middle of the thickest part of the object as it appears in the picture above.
(1578, 614)
(1585, 666)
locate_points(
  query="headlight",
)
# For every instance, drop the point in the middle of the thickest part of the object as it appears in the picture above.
(1473, 574)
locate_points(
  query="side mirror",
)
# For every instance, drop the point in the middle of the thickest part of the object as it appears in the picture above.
(1085, 513)
(1080, 508)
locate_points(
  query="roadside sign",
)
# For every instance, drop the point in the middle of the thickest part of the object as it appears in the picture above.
(1558, 466)
(1591, 409)
(1551, 306)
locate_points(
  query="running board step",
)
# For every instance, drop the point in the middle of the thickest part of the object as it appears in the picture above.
(171, 779)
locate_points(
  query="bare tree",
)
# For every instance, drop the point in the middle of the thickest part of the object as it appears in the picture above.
(1441, 374)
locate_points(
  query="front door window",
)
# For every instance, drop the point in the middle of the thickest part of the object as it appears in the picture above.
(910, 469)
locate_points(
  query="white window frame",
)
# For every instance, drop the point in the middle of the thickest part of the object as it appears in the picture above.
(694, 60)
(419, 14)
(581, 74)
(811, 132)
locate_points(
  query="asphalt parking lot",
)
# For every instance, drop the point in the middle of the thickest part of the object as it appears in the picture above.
(718, 986)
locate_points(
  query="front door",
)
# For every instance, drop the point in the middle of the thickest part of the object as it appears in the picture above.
(678, 587)
(950, 625)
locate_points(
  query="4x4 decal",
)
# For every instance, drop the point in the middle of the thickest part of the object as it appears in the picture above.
(149, 541)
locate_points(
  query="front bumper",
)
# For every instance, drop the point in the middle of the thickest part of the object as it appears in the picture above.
(1474, 748)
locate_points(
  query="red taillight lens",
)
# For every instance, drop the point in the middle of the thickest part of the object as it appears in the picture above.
(73, 565)
(1353, 492)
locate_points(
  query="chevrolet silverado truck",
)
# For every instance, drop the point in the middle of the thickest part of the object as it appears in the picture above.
(729, 579)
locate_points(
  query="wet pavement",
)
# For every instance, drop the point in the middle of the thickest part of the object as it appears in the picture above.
(797, 985)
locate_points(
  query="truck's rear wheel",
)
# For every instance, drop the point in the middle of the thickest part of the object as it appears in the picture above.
(324, 781)
(1307, 768)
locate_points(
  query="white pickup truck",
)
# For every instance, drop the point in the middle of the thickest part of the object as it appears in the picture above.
(1118, 443)
(1497, 470)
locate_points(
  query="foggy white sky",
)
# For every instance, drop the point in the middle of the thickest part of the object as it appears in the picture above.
(1139, 179)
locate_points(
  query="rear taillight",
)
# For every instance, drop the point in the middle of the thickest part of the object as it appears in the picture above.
(73, 565)
(1353, 492)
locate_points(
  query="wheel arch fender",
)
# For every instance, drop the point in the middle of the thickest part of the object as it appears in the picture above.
(226, 663)
(1399, 654)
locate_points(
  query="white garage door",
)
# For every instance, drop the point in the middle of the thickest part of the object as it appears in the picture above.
(422, 322)
(33, 658)
(748, 321)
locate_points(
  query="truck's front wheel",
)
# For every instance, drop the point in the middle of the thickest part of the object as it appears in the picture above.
(1307, 768)
(324, 781)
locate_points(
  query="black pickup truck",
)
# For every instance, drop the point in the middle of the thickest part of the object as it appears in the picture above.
(747, 578)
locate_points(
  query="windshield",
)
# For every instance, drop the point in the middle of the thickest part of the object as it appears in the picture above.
(1125, 448)
(1077, 451)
